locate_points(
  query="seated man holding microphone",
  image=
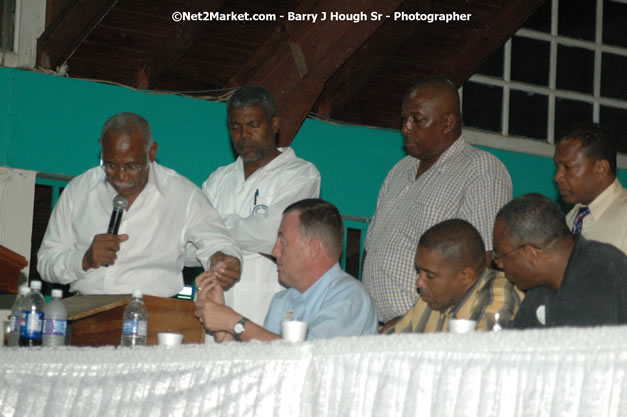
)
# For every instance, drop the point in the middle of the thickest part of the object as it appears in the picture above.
(454, 282)
(307, 250)
(163, 212)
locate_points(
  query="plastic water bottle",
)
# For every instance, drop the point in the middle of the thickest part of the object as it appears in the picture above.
(16, 315)
(33, 317)
(55, 321)
(135, 322)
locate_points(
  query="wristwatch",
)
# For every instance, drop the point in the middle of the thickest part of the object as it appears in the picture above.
(239, 328)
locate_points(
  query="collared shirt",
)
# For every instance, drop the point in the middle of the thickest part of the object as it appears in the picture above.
(465, 183)
(252, 209)
(492, 293)
(169, 212)
(335, 305)
(607, 221)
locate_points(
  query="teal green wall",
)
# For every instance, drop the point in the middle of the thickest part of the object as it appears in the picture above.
(52, 124)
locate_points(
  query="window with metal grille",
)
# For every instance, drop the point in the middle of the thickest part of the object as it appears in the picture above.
(567, 64)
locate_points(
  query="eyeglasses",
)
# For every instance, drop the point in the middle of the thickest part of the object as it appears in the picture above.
(496, 257)
(128, 168)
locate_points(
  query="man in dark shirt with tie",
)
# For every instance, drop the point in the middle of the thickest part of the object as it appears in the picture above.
(570, 281)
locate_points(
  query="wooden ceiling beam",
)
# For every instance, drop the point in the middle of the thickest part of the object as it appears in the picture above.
(353, 75)
(186, 33)
(455, 51)
(505, 22)
(260, 56)
(69, 29)
(295, 65)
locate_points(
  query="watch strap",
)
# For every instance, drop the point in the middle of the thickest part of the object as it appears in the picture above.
(242, 322)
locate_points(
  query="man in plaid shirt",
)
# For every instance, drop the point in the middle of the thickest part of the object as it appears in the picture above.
(456, 283)
(442, 177)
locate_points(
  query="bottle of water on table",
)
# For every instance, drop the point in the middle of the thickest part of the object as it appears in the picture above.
(33, 317)
(15, 318)
(135, 322)
(55, 321)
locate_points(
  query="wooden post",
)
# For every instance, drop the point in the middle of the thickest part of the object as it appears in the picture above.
(11, 263)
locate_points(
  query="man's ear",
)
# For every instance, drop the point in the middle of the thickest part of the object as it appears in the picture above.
(450, 122)
(152, 154)
(314, 246)
(275, 124)
(601, 167)
(533, 255)
(467, 276)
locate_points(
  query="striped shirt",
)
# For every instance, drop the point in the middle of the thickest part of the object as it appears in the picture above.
(492, 293)
(465, 183)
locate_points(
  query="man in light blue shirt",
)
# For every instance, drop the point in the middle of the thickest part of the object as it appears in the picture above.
(335, 305)
(307, 250)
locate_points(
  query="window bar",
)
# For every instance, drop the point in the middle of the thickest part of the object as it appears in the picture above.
(595, 99)
(552, 73)
(598, 55)
(507, 74)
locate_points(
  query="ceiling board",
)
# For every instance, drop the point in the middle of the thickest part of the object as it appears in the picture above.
(353, 72)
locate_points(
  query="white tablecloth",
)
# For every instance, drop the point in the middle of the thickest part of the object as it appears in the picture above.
(552, 373)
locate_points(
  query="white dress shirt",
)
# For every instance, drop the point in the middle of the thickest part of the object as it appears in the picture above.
(607, 221)
(169, 212)
(252, 210)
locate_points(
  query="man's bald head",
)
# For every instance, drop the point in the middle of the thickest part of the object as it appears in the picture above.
(128, 124)
(444, 92)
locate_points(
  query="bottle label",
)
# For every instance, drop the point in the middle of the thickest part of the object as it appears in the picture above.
(32, 324)
(135, 328)
(54, 327)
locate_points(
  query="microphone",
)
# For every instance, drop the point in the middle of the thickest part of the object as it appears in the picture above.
(119, 204)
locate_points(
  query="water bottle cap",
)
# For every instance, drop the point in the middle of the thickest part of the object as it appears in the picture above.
(35, 285)
(57, 293)
(137, 294)
(24, 289)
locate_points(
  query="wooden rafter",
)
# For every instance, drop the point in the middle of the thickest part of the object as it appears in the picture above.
(66, 33)
(186, 34)
(356, 71)
(505, 22)
(295, 66)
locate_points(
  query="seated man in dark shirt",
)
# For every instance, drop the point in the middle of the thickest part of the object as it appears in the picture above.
(570, 281)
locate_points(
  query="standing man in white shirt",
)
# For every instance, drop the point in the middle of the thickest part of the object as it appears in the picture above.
(251, 193)
(165, 212)
(586, 175)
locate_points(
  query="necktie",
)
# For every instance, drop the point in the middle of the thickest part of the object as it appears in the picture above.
(583, 212)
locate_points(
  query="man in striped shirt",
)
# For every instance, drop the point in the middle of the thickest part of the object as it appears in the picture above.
(443, 177)
(454, 282)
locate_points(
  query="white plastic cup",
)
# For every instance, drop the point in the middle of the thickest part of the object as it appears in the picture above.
(169, 339)
(461, 326)
(294, 331)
